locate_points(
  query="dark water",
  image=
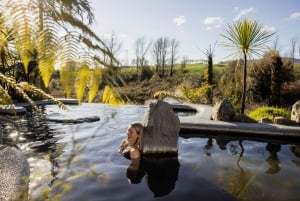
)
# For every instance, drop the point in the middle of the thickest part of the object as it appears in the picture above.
(80, 162)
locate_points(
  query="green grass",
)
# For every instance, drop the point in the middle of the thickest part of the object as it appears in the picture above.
(189, 68)
(297, 70)
(268, 112)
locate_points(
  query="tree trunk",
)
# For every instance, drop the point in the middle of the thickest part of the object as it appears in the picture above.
(210, 77)
(276, 81)
(244, 85)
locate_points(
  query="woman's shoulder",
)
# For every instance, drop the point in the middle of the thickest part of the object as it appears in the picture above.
(135, 153)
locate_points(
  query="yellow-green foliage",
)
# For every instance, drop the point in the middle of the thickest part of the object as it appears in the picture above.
(25, 26)
(195, 95)
(5, 98)
(160, 95)
(47, 49)
(24, 89)
(82, 78)
(67, 78)
(268, 112)
(95, 82)
(110, 96)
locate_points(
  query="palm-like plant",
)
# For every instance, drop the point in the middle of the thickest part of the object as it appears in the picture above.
(246, 37)
(53, 34)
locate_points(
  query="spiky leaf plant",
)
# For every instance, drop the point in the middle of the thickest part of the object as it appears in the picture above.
(246, 37)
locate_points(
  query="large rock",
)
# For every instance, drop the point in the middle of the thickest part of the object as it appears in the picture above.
(284, 121)
(223, 111)
(14, 174)
(161, 129)
(295, 115)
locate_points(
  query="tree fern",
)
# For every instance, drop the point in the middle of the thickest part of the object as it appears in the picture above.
(52, 34)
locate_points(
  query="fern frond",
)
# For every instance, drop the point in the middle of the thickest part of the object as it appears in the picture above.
(31, 89)
(47, 49)
(74, 22)
(82, 78)
(95, 83)
(25, 26)
(67, 50)
(110, 97)
(23, 89)
(5, 98)
(67, 77)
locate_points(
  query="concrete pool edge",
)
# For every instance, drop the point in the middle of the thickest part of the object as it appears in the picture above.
(200, 122)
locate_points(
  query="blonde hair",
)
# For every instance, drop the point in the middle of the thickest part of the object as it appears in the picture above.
(138, 127)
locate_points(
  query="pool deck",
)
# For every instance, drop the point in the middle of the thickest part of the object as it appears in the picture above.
(200, 123)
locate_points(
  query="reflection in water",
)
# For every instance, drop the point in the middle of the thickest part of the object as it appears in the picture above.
(295, 149)
(273, 160)
(36, 138)
(134, 172)
(208, 146)
(241, 155)
(222, 142)
(161, 173)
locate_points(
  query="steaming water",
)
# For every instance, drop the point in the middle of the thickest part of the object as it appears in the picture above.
(80, 162)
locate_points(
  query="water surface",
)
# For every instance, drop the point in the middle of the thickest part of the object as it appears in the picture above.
(80, 162)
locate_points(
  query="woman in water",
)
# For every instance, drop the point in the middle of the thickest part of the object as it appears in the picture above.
(131, 147)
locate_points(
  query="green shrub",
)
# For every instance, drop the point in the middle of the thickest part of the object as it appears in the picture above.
(269, 112)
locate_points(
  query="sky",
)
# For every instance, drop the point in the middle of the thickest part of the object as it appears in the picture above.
(196, 24)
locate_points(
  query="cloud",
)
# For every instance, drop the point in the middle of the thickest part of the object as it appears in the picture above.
(179, 20)
(244, 12)
(269, 28)
(295, 16)
(213, 22)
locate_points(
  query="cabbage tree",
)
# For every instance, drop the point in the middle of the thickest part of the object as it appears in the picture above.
(246, 38)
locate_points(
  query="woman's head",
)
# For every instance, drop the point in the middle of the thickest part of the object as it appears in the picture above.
(134, 132)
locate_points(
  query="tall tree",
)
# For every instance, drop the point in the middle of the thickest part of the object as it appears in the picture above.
(141, 49)
(275, 44)
(209, 53)
(174, 44)
(246, 37)
(114, 46)
(276, 80)
(293, 49)
(160, 52)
